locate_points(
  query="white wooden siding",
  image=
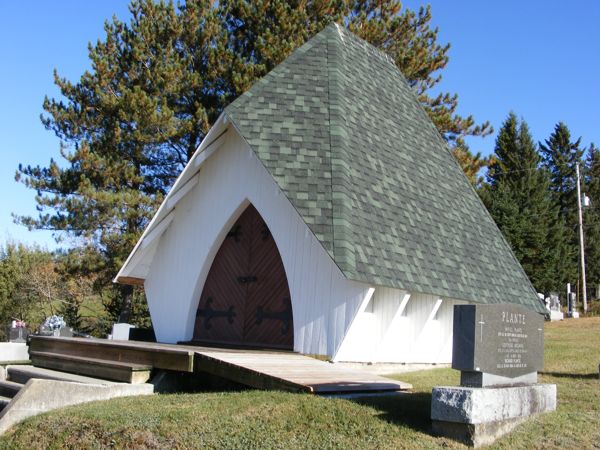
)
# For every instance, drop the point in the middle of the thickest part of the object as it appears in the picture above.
(383, 335)
(323, 300)
(325, 304)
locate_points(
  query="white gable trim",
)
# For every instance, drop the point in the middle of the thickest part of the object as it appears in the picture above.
(182, 192)
(211, 142)
(207, 151)
(158, 230)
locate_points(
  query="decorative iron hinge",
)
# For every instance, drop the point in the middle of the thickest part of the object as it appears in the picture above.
(285, 316)
(248, 279)
(210, 313)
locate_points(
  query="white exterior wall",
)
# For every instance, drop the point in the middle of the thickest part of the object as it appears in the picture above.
(328, 309)
(419, 333)
(323, 300)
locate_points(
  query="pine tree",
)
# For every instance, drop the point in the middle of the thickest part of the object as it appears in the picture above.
(471, 164)
(158, 82)
(560, 156)
(261, 33)
(127, 128)
(518, 198)
(591, 218)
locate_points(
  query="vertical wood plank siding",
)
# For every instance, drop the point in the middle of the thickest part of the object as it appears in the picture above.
(324, 302)
(411, 339)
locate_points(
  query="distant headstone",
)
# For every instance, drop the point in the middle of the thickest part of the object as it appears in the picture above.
(572, 305)
(120, 331)
(499, 349)
(554, 302)
(18, 335)
(59, 332)
(555, 308)
(66, 332)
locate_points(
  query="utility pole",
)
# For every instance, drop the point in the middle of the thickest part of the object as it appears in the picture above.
(581, 246)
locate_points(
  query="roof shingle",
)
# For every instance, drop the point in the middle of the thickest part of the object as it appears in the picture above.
(344, 136)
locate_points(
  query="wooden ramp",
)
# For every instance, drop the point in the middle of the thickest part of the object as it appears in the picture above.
(133, 362)
(290, 372)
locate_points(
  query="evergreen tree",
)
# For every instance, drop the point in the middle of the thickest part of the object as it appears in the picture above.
(591, 218)
(261, 33)
(471, 164)
(518, 198)
(127, 128)
(560, 156)
(158, 82)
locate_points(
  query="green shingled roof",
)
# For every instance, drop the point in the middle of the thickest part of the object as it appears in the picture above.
(344, 136)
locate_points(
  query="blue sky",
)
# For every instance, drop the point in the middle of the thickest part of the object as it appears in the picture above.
(539, 58)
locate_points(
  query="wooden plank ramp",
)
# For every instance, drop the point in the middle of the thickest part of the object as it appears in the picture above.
(290, 372)
(132, 361)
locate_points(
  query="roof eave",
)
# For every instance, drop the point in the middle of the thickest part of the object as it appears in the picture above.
(211, 143)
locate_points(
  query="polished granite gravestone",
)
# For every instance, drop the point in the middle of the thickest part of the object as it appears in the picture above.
(497, 345)
(499, 349)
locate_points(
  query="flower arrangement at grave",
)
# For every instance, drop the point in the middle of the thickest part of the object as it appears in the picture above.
(17, 331)
(54, 322)
(18, 324)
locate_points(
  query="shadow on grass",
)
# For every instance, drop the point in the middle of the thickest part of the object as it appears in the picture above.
(411, 410)
(171, 382)
(593, 376)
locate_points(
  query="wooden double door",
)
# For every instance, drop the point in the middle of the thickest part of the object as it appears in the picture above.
(246, 299)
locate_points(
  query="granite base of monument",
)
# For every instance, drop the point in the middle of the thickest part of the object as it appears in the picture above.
(484, 379)
(499, 350)
(479, 416)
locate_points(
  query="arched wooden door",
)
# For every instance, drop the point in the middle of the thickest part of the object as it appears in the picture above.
(246, 298)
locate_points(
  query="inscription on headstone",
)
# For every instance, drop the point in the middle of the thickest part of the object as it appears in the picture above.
(500, 339)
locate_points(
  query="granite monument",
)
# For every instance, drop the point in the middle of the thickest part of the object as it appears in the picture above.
(498, 349)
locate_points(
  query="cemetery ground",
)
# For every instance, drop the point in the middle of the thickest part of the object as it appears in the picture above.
(258, 419)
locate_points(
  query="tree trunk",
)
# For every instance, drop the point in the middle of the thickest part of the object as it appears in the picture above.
(126, 296)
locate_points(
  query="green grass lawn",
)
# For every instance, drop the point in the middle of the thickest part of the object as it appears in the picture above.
(254, 419)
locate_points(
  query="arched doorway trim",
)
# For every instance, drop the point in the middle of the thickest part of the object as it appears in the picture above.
(245, 299)
(208, 261)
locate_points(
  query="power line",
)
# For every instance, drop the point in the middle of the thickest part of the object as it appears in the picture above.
(503, 172)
